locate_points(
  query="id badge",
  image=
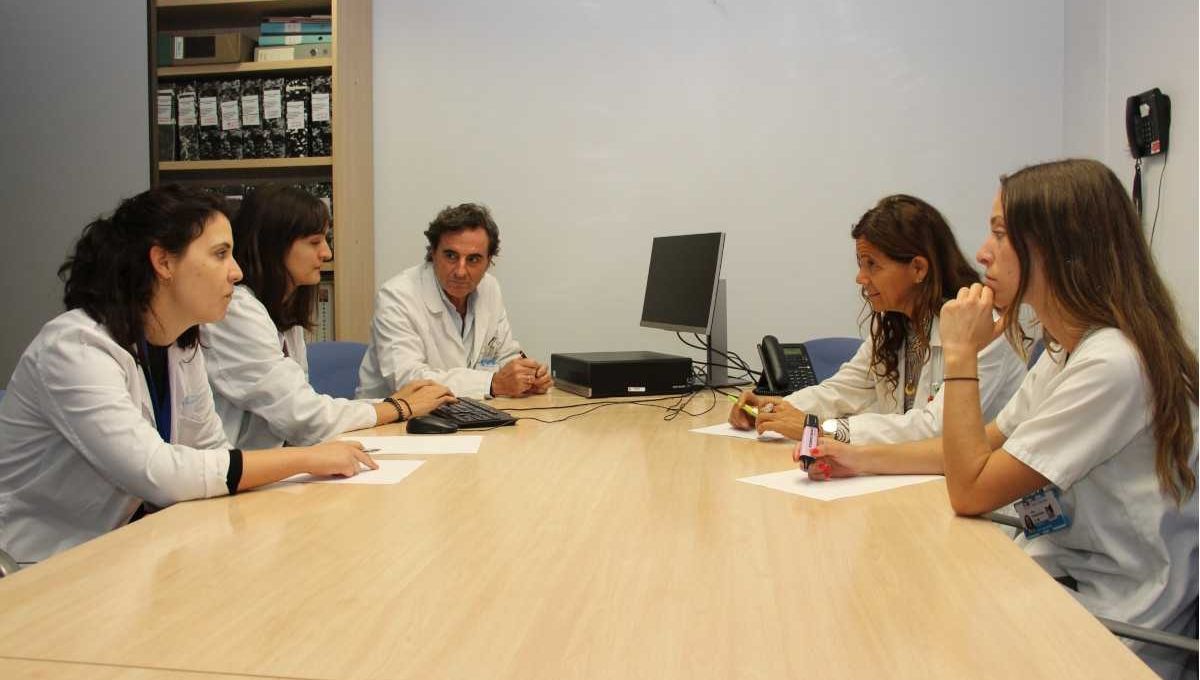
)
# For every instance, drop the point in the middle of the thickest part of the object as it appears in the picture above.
(1041, 512)
(488, 360)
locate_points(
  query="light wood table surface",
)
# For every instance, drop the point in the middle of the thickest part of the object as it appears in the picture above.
(613, 545)
(34, 669)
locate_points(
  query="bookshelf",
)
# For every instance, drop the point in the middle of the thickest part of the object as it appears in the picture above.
(298, 66)
(349, 168)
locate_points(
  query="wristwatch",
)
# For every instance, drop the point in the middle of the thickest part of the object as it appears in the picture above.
(837, 429)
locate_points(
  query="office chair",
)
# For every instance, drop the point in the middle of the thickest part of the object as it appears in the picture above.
(1152, 636)
(828, 354)
(7, 564)
(2, 394)
(333, 367)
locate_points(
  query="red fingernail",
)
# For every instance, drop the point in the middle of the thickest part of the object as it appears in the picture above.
(815, 451)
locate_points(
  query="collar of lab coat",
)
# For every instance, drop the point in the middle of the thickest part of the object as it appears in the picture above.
(431, 293)
(430, 290)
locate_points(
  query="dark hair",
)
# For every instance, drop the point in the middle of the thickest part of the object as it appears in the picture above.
(904, 227)
(1099, 272)
(270, 220)
(109, 274)
(458, 218)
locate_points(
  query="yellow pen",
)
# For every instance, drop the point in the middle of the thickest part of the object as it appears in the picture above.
(745, 407)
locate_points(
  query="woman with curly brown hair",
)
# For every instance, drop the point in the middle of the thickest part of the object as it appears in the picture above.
(909, 264)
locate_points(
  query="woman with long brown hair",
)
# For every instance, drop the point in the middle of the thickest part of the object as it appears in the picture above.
(909, 264)
(1098, 448)
(256, 355)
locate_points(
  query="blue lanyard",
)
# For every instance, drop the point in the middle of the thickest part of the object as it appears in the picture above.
(161, 404)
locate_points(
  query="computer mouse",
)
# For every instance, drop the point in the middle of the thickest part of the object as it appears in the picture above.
(431, 424)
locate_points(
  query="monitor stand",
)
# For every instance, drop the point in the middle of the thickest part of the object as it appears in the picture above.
(718, 341)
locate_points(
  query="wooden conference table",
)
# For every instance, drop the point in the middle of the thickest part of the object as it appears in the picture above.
(612, 545)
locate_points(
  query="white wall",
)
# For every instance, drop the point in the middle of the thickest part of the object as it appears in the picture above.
(75, 139)
(1107, 61)
(590, 127)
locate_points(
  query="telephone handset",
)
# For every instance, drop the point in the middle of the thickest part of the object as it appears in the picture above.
(1148, 123)
(786, 368)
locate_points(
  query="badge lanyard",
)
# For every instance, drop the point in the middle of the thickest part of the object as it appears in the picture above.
(161, 404)
(936, 368)
(488, 359)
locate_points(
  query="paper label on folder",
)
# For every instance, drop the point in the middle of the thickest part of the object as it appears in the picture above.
(250, 110)
(272, 104)
(208, 112)
(164, 110)
(295, 115)
(320, 107)
(231, 118)
(187, 109)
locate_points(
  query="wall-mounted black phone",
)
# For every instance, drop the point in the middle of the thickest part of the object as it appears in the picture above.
(786, 368)
(1148, 123)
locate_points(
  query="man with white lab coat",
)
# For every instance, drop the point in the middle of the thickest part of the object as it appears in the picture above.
(444, 320)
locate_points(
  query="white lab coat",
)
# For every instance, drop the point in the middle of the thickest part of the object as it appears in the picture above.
(414, 336)
(78, 446)
(262, 395)
(1085, 423)
(875, 409)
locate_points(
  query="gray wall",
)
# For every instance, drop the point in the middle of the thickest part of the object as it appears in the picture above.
(73, 141)
(1108, 60)
(591, 127)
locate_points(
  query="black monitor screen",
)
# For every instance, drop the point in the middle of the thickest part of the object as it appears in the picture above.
(682, 282)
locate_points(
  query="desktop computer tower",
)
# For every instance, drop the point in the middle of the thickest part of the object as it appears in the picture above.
(621, 374)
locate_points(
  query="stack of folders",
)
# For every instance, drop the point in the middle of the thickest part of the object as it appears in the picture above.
(288, 38)
(283, 116)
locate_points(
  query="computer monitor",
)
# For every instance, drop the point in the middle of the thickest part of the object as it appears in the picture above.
(685, 293)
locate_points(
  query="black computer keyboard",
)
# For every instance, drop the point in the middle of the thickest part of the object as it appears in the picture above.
(469, 413)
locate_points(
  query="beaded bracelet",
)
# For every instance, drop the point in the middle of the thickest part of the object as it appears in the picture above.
(396, 405)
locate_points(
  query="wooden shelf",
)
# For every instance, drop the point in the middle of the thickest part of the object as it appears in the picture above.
(241, 68)
(350, 170)
(245, 164)
(213, 13)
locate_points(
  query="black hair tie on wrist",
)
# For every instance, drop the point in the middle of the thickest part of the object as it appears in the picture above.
(409, 407)
(961, 377)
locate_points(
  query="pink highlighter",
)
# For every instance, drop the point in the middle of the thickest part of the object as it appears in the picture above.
(808, 441)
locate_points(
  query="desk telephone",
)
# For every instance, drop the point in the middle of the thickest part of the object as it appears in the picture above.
(786, 368)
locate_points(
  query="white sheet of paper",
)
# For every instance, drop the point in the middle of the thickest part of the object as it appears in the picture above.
(727, 430)
(797, 482)
(422, 444)
(389, 472)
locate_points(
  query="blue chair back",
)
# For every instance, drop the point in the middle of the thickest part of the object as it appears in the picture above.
(333, 367)
(828, 354)
(1036, 351)
(2, 393)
